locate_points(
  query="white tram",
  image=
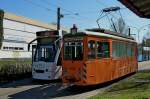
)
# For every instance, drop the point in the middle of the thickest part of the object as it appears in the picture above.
(46, 64)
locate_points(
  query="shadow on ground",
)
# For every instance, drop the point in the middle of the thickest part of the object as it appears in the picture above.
(48, 91)
(56, 89)
(26, 82)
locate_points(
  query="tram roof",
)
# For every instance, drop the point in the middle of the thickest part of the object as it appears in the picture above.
(103, 33)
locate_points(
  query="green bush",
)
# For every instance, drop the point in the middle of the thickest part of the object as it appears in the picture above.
(14, 69)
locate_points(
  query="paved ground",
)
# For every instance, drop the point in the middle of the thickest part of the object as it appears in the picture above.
(144, 65)
(27, 89)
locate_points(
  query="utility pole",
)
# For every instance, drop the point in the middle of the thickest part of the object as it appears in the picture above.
(58, 19)
(59, 16)
(129, 32)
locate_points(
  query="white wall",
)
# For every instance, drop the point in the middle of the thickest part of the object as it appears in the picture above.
(21, 32)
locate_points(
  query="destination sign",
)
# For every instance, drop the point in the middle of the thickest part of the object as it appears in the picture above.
(74, 39)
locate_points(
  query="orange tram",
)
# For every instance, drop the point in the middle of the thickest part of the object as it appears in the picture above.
(97, 56)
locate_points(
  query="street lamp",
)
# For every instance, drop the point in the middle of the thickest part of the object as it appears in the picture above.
(139, 30)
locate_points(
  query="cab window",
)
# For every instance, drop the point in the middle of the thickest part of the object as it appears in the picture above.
(45, 53)
(91, 50)
(73, 50)
(103, 50)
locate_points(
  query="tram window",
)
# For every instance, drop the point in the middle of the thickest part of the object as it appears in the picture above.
(122, 49)
(73, 51)
(79, 51)
(129, 50)
(33, 51)
(116, 49)
(67, 50)
(103, 50)
(132, 50)
(49, 54)
(114, 52)
(119, 49)
(99, 50)
(91, 50)
(45, 54)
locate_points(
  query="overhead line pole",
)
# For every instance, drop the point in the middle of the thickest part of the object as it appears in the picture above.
(58, 19)
(59, 16)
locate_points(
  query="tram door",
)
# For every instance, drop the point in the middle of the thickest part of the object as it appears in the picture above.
(91, 61)
(103, 65)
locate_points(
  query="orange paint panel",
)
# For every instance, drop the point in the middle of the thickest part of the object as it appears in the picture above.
(96, 71)
(91, 71)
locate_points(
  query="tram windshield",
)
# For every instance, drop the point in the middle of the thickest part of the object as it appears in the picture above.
(45, 53)
(73, 50)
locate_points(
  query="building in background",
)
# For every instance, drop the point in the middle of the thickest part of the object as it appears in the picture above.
(16, 32)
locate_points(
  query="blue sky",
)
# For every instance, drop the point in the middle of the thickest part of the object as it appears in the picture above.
(88, 11)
